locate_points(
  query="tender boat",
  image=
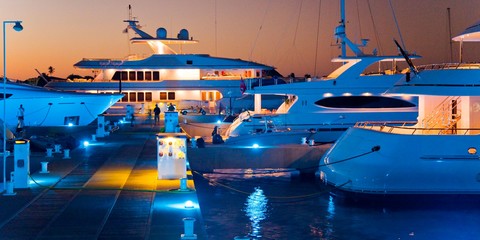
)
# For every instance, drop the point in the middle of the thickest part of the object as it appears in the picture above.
(322, 109)
(438, 155)
(189, 81)
(48, 108)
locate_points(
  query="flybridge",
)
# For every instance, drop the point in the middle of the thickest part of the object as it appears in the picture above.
(160, 42)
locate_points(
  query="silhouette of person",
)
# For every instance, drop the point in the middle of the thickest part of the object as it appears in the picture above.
(171, 108)
(156, 112)
(20, 116)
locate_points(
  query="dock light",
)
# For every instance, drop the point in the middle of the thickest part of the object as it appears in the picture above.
(189, 204)
(218, 121)
(255, 145)
(17, 27)
(70, 124)
(86, 143)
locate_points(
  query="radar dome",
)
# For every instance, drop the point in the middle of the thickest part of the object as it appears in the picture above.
(183, 34)
(161, 33)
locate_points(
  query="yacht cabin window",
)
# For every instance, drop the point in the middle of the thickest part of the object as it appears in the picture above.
(132, 97)
(148, 96)
(136, 75)
(140, 96)
(140, 76)
(124, 75)
(167, 95)
(163, 96)
(156, 75)
(132, 76)
(363, 102)
(148, 76)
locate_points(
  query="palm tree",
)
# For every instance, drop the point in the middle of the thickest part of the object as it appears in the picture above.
(51, 70)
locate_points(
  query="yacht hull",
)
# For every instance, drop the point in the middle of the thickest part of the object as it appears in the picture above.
(47, 108)
(379, 163)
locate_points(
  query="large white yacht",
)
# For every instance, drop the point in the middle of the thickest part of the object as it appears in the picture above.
(47, 108)
(439, 155)
(322, 109)
(186, 80)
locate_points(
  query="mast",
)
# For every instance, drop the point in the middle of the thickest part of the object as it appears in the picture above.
(342, 25)
(450, 34)
(342, 36)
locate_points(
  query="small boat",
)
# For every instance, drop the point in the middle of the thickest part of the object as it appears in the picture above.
(439, 155)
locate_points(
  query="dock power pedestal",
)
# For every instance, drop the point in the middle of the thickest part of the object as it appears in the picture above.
(172, 155)
(21, 156)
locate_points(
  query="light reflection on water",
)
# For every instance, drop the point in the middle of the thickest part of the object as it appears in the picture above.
(286, 210)
(256, 210)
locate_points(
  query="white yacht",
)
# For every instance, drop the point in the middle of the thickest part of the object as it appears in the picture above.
(47, 108)
(439, 155)
(322, 109)
(189, 81)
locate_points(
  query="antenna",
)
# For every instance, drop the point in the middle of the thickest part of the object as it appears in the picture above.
(450, 34)
(407, 59)
(396, 23)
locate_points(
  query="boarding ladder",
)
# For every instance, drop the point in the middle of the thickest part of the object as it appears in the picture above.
(445, 116)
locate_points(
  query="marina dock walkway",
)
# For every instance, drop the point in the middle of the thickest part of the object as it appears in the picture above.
(108, 190)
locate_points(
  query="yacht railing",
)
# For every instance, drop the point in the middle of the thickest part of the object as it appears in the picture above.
(449, 66)
(408, 128)
(445, 115)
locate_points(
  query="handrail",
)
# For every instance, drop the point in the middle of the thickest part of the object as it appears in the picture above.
(443, 115)
(449, 66)
(403, 128)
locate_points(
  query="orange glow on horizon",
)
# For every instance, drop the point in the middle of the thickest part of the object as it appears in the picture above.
(60, 34)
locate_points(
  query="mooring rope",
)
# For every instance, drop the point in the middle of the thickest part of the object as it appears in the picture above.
(46, 115)
(86, 108)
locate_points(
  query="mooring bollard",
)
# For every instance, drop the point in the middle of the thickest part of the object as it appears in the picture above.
(57, 148)
(94, 137)
(311, 142)
(44, 167)
(188, 228)
(10, 186)
(66, 153)
(304, 140)
(49, 152)
(183, 184)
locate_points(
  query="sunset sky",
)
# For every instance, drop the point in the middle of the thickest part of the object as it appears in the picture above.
(280, 33)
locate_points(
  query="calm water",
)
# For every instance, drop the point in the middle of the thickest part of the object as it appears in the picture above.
(276, 206)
